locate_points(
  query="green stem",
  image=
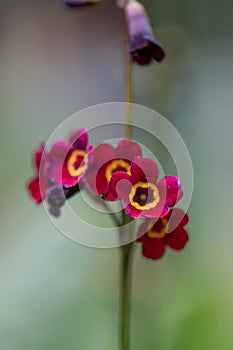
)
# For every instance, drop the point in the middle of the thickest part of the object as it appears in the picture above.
(125, 294)
(117, 222)
(104, 204)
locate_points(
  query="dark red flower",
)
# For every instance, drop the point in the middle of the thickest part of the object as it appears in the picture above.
(38, 185)
(166, 231)
(59, 171)
(108, 160)
(143, 46)
(141, 195)
(69, 160)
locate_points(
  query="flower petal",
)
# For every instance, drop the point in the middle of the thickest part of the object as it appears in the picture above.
(159, 211)
(79, 139)
(170, 190)
(101, 181)
(58, 153)
(38, 156)
(69, 180)
(128, 150)
(145, 48)
(153, 249)
(144, 169)
(103, 153)
(143, 229)
(110, 197)
(177, 239)
(34, 189)
(120, 184)
(131, 211)
(61, 176)
(176, 219)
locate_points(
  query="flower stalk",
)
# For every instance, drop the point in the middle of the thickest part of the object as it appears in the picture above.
(125, 296)
(126, 251)
(118, 173)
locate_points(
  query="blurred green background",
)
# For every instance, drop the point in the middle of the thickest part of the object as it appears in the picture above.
(54, 61)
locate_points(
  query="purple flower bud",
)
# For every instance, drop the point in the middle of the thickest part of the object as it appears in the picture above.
(56, 197)
(76, 3)
(143, 46)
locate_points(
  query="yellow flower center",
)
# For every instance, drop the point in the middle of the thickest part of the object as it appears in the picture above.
(114, 165)
(159, 234)
(71, 164)
(138, 198)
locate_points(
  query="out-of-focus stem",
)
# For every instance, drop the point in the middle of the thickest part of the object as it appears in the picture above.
(126, 251)
(125, 296)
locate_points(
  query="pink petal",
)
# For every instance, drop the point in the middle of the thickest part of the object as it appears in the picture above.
(131, 211)
(110, 197)
(90, 154)
(61, 176)
(101, 182)
(170, 190)
(120, 184)
(144, 169)
(67, 179)
(103, 153)
(55, 175)
(79, 139)
(159, 211)
(58, 153)
(128, 150)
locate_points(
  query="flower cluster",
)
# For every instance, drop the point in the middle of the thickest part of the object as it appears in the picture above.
(59, 171)
(114, 173)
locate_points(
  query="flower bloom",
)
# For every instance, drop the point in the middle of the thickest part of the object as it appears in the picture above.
(59, 171)
(167, 231)
(143, 46)
(141, 195)
(106, 161)
(69, 159)
(38, 185)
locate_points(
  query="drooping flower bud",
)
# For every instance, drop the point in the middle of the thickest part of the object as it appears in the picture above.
(57, 195)
(143, 46)
(56, 199)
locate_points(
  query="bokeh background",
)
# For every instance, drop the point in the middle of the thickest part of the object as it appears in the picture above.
(54, 61)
